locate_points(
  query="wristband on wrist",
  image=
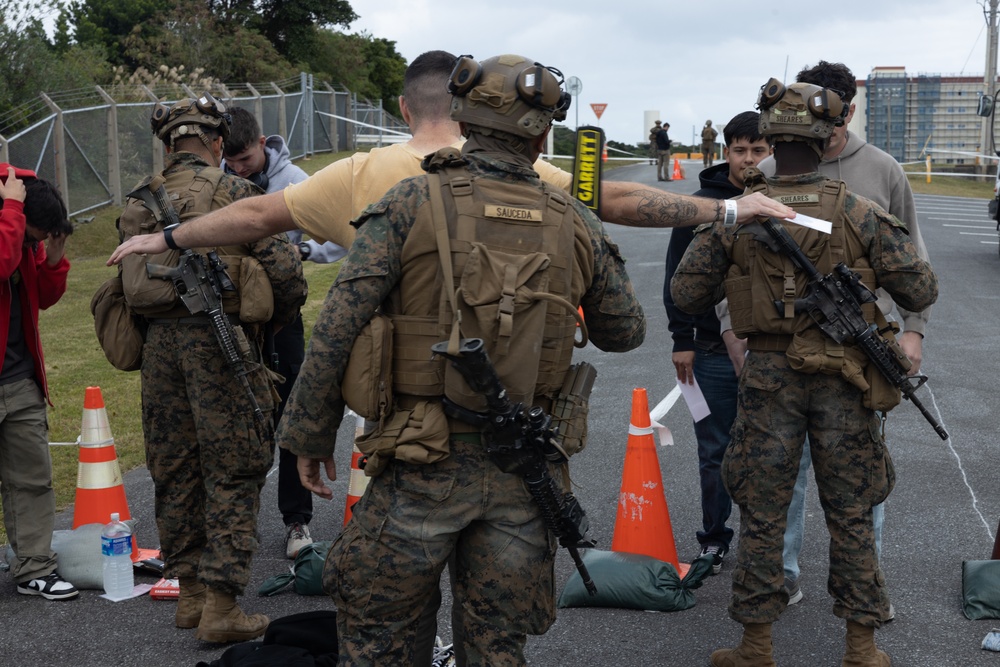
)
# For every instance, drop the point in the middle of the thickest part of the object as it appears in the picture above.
(730, 219)
(168, 236)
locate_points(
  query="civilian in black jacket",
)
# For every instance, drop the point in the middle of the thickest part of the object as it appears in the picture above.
(699, 351)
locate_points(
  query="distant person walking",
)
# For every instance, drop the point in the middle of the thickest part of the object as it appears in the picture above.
(663, 153)
(708, 135)
(652, 142)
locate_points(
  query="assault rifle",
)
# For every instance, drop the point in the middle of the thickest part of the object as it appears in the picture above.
(834, 303)
(199, 284)
(520, 440)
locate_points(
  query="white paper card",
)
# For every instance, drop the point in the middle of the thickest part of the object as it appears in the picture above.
(695, 400)
(812, 223)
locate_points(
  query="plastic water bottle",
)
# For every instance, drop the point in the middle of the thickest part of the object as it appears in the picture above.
(116, 557)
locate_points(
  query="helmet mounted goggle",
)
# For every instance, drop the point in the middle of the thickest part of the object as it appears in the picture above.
(186, 118)
(483, 94)
(800, 111)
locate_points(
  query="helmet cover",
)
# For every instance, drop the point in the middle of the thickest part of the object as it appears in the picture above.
(509, 93)
(186, 118)
(799, 111)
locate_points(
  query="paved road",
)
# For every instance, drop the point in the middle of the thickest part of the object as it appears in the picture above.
(944, 509)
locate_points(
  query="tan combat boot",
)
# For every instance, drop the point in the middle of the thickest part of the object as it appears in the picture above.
(189, 603)
(861, 651)
(223, 621)
(754, 649)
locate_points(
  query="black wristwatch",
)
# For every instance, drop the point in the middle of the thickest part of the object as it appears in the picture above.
(305, 250)
(168, 236)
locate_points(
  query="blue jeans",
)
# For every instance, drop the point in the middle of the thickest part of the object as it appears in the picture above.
(797, 519)
(719, 384)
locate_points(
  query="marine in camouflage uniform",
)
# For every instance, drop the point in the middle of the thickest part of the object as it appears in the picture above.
(779, 406)
(207, 456)
(387, 563)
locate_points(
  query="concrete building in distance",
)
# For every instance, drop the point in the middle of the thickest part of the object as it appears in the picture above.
(911, 116)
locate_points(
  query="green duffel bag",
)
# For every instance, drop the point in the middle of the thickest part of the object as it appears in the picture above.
(981, 589)
(306, 572)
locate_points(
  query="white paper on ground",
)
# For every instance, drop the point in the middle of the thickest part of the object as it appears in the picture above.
(137, 590)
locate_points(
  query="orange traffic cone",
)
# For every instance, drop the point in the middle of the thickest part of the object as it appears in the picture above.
(358, 482)
(604, 154)
(99, 487)
(643, 522)
(678, 172)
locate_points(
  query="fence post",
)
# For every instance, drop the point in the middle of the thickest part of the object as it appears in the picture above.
(114, 160)
(282, 113)
(258, 107)
(157, 146)
(352, 129)
(59, 149)
(305, 85)
(4, 149)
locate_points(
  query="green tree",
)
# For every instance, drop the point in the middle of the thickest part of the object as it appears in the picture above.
(385, 70)
(290, 25)
(188, 34)
(564, 141)
(110, 24)
(365, 65)
(29, 63)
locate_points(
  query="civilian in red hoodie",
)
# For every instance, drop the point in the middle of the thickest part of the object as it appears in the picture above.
(33, 269)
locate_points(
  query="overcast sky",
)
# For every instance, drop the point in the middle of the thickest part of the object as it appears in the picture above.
(690, 61)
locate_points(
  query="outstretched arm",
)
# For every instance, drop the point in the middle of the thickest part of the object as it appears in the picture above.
(637, 205)
(243, 221)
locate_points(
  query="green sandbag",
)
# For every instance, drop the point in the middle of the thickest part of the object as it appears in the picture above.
(306, 572)
(632, 581)
(981, 589)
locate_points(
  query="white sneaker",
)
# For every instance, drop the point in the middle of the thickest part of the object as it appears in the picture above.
(50, 587)
(298, 537)
(794, 592)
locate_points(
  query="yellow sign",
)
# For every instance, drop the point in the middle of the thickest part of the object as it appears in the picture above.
(587, 167)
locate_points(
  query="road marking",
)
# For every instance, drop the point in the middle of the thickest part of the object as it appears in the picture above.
(961, 469)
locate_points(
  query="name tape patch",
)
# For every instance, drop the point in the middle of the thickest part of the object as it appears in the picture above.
(513, 213)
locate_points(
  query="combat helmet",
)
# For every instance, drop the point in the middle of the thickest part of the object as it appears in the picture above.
(509, 93)
(187, 117)
(799, 112)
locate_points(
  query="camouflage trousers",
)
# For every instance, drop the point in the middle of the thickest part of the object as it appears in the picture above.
(206, 459)
(777, 408)
(386, 565)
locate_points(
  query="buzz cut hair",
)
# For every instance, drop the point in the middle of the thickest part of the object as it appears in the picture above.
(243, 131)
(745, 125)
(835, 76)
(425, 85)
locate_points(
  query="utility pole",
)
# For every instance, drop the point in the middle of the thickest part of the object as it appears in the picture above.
(990, 79)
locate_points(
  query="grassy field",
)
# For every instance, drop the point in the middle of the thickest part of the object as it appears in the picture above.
(75, 361)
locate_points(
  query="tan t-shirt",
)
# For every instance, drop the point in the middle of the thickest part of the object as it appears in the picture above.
(324, 204)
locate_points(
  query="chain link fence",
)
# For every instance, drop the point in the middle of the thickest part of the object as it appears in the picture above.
(95, 148)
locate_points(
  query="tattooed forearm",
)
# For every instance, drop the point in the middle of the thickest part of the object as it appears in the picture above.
(643, 208)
